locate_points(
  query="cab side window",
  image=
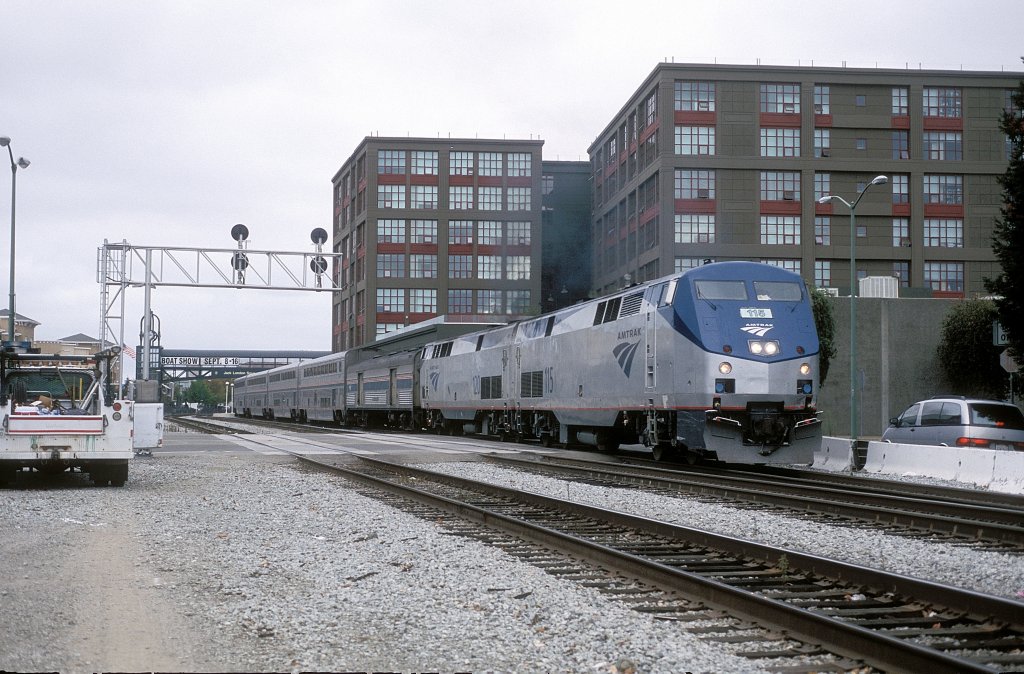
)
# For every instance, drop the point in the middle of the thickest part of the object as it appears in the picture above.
(909, 418)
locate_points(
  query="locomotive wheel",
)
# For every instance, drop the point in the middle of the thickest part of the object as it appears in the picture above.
(547, 440)
(663, 452)
(608, 446)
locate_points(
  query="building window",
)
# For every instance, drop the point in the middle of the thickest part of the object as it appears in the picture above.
(780, 142)
(489, 163)
(460, 197)
(780, 230)
(390, 300)
(900, 101)
(423, 231)
(684, 263)
(651, 109)
(901, 144)
(900, 232)
(823, 273)
(694, 228)
(423, 196)
(490, 233)
(424, 163)
(390, 196)
(518, 233)
(944, 233)
(384, 328)
(547, 185)
(822, 185)
(517, 268)
(489, 198)
(423, 300)
(520, 198)
(901, 270)
(390, 266)
(789, 265)
(695, 140)
(943, 189)
(460, 266)
(694, 184)
(780, 186)
(460, 163)
(390, 162)
(422, 266)
(944, 276)
(822, 96)
(695, 96)
(488, 301)
(460, 232)
(943, 145)
(489, 266)
(862, 144)
(822, 142)
(518, 301)
(460, 301)
(780, 98)
(520, 164)
(823, 230)
(391, 231)
(900, 189)
(942, 102)
(860, 100)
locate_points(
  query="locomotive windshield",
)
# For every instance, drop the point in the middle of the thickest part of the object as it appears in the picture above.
(776, 290)
(721, 290)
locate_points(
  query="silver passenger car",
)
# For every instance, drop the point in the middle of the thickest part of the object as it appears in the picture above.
(954, 421)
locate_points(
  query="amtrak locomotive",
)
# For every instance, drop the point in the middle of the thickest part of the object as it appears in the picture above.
(718, 362)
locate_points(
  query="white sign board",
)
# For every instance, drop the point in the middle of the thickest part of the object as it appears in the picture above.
(998, 334)
(198, 361)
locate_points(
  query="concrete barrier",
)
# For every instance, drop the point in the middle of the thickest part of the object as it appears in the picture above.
(836, 454)
(1008, 472)
(924, 460)
(995, 470)
(977, 466)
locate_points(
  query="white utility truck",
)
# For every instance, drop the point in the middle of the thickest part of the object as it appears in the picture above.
(57, 417)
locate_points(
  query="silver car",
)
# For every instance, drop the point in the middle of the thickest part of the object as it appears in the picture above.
(953, 421)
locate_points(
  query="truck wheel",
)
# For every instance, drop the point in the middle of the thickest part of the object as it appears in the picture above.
(119, 475)
(100, 475)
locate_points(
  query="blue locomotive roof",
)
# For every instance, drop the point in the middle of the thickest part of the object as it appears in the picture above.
(726, 306)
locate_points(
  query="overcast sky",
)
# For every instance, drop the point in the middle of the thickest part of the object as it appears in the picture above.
(164, 123)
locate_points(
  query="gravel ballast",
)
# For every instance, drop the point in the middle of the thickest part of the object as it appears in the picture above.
(995, 573)
(241, 562)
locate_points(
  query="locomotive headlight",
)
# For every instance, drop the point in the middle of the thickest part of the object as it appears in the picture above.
(756, 348)
(771, 348)
(805, 369)
(725, 367)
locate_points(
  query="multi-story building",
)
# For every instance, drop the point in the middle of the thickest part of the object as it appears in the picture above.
(719, 162)
(430, 227)
(565, 255)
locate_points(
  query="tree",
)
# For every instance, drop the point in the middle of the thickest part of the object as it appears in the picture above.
(969, 361)
(824, 322)
(1008, 235)
(200, 392)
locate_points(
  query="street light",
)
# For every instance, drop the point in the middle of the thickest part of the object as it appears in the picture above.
(23, 163)
(877, 180)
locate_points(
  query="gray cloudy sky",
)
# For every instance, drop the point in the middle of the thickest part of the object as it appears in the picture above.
(165, 122)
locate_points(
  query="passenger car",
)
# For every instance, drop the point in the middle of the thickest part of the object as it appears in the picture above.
(956, 421)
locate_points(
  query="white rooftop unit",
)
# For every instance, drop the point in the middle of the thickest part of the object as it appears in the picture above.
(879, 286)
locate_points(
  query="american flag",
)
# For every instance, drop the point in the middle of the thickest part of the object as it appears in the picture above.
(129, 351)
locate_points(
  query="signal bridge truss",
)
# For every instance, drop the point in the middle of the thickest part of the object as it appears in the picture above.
(121, 266)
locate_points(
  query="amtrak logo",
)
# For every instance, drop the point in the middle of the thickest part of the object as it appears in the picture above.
(435, 377)
(758, 330)
(624, 353)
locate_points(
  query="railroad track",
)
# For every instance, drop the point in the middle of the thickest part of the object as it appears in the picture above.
(202, 426)
(934, 514)
(797, 611)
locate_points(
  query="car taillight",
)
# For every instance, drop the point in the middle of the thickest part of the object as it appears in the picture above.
(971, 442)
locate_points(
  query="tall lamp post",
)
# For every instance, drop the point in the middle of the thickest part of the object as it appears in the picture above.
(877, 180)
(22, 163)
